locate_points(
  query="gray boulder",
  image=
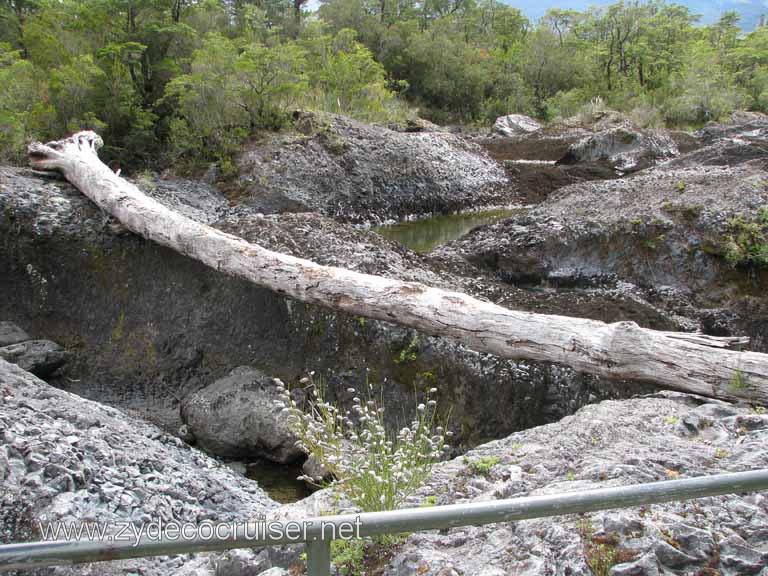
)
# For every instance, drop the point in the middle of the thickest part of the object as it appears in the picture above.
(614, 443)
(516, 125)
(239, 416)
(361, 173)
(313, 468)
(741, 125)
(625, 147)
(421, 125)
(41, 357)
(65, 458)
(12, 334)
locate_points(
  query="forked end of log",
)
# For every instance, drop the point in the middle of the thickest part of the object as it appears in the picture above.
(53, 155)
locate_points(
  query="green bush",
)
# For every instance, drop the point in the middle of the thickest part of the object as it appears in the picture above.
(198, 78)
(345, 79)
(484, 465)
(565, 104)
(448, 76)
(376, 469)
(348, 556)
(746, 243)
(229, 93)
(702, 91)
(234, 90)
(23, 114)
(74, 89)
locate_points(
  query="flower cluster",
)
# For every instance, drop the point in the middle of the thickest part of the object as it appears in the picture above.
(376, 469)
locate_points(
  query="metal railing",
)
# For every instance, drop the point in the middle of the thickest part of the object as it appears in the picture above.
(320, 531)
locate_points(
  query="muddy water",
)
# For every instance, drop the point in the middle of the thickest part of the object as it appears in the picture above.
(425, 235)
(278, 480)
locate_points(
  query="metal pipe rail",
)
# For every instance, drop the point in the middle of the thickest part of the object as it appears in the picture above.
(320, 531)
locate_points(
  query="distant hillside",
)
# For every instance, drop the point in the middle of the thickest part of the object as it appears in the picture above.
(710, 10)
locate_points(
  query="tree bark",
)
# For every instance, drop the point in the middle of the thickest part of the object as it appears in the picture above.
(680, 361)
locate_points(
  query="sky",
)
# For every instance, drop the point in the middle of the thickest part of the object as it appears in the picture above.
(710, 10)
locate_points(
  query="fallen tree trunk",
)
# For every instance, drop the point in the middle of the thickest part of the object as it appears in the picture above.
(688, 362)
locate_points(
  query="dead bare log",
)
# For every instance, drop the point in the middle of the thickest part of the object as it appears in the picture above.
(688, 362)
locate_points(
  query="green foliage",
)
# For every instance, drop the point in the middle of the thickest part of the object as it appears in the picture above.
(74, 94)
(375, 468)
(348, 556)
(449, 77)
(345, 78)
(564, 104)
(429, 501)
(358, 557)
(484, 465)
(721, 453)
(272, 80)
(601, 552)
(232, 91)
(408, 354)
(209, 122)
(746, 244)
(600, 559)
(23, 114)
(197, 79)
(738, 383)
(703, 90)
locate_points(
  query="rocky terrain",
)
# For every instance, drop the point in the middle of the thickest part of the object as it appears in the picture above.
(359, 173)
(541, 159)
(660, 437)
(72, 277)
(621, 224)
(67, 459)
(41, 357)
(672, 230)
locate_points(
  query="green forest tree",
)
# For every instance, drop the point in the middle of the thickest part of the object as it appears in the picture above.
(166, 81)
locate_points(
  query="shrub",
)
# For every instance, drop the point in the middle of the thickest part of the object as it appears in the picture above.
(348, 556)
(484, 465)
(377, 470)
(449, 76)
(230, 92)
(210, 123)
(564, 104)
(589, 112)
(703, 91)
(510, 95)
(646, 116)
(345, 79)
(75, 94)
(746, 244)
(22, 115)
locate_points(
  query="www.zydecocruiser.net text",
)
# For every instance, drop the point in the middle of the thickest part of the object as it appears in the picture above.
(162, 530)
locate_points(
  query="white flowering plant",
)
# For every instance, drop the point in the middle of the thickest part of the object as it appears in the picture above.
(377, 470)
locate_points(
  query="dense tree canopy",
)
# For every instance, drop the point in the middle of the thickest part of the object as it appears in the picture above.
(168, 81)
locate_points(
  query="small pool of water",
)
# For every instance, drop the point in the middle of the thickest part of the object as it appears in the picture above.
(425, 235)
(278, 480)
